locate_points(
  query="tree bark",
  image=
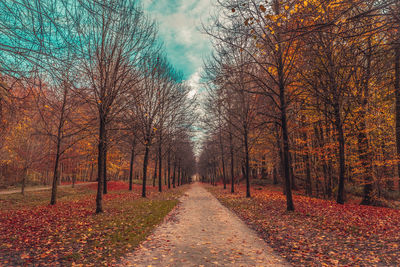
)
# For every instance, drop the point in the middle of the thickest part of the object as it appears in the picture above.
(363, 145)
(1, 114)
(222, 159)
(145, 162)
(169, 168)
(160, 163)
(397, 95)
(285, 141)
(58, 152)
(55, 174)
(281, 161)
(100, 168)
(232, 163)
(105, 163)
(275, 176)
(327, 181)
(339, 128)
(283, 119)
(24, 175)
(131, 166)
(165, 175)
(91, 171)
(155, 170)
(179, 172)
(247, 162)
(292, 175)
(174, 174)
(263, 170)
(307, 163)
(365, 159)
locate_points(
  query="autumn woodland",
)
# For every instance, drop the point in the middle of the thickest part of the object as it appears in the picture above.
(295, 129)
(309, 90)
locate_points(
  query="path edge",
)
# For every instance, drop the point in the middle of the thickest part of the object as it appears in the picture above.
(269, 248)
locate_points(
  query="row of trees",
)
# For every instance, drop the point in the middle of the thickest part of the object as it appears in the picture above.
(85, 85)
(306, 90)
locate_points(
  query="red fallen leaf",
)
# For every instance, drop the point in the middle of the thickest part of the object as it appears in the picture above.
(31, 232)
(24, 256)
(319, 232)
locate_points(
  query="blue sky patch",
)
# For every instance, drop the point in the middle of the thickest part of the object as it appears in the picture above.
(179, 22)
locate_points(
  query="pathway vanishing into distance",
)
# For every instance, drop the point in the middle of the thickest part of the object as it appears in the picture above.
(202, 232)
(34, 189)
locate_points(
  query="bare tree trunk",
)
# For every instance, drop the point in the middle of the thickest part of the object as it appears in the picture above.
(222, 158)
(365, 159)
(282, 100)
(179, 172)
(292, 174)
(91, 171)
(145, 162)
(339, 128)
(397, 95)
(58, 152)
(329, 135)
(232, 163)
(165, 175)
(215, 171)
(100, 168)
(73, 179)
(247, 162)
(169, 168)
(131, 166)
(60, 175)
(155, 170)
(281, 161)
(24, 175)
(307, 163)
(327, 181)
(1, 114)
(55, 174)
(275, 175)
(285, 140)
(363, 145)
(263, 170)
(105, 164)
(160, 163)
(174, 174)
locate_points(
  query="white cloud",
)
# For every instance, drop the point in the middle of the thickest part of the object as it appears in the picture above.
(194, 83)
(179, 22)
(182, 28)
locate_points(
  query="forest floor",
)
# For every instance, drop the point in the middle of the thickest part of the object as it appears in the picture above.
(33, 233)
(202, 232)
(38, 188)
(199, 231)
(319, 232)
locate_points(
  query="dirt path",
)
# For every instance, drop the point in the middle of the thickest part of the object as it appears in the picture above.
(33, 189)
(202, 232)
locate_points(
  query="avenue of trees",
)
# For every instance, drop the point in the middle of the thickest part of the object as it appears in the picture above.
(87, 94)
(305, 93)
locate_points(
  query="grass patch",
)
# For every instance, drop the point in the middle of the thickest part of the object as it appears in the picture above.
(111, 237)
(42, 197)
(70, 233)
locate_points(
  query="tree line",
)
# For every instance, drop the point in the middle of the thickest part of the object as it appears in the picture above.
(87, 93)
(306, 92)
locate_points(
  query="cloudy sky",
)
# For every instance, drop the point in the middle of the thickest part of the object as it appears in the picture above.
(179, 23)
